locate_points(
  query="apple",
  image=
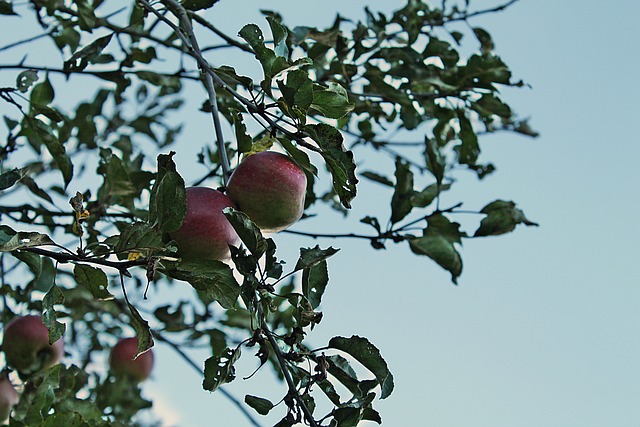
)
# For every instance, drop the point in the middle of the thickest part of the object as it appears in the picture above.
(8, 398)
(26, 345)
(122, 362)
(270, 188)
(205, 232)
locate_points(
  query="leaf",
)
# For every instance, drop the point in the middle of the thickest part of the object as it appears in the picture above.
(42, 132)
(369, 356)
(167, 202)
(438, 242)
(376, 177)
(280, 34)
(314, 282)
(94, 280)
(297, 94)
(501, 217)
(425, 197)
(244, 141)
(138, 236)
(11, 240)
(468, 150)
(331, 101)
(252, 34)
(42, 93)
(212, 279)
(435, 159)
(310, 257)
(25, 79)
(248, 232)
(6, 8)
(87, 54)
(143, 331)
(195, 5)
(338, 159)
(49, 316)
(9, 178)
(261, 405)
(299, 156)
(219, 370)
(401, 204)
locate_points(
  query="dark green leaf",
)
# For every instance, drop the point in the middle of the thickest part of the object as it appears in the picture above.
(49, 316)
(9, 178)
(248, 232)
(369, 356)
(87, 54)
(314, 282)
(143, 331)
(261, 405)
(299, 156)
(212, 279)
(33, 261)
(501, 217)
(252, 34)
(42, 93)
(339, 161)
(280, 34)
(401, 200)
(47, 277)
(6, 8)
(435, 159)
(11, 240)
(297, 94)
(167, 202)
(376, 177)
(219, 370)
(425, 197)
(244, 141)
(310, 257)
(25, 79)
(331, 101)
(138, 236)
(43, 134)
(468, 150)
(94, 279)
(438, 242)
(196, 5)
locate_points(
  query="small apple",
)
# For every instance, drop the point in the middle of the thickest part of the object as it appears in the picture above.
(26, 345)
(8, 398)
(270, 188)
(205, 232)
(122, 362)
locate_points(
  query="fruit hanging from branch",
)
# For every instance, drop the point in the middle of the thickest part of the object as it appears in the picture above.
(270, 188)
(26, 345)
(122, 360)
(205, 232)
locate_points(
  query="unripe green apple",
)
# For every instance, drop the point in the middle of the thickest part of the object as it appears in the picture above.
(205, 232)
(270, 188)
(8, 398)
(26, 345)
(122, 362)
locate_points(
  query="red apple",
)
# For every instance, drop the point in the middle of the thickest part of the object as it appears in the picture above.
(122, 362)
(26, 345)
(8, 398)
(205, 232)
(270, 188)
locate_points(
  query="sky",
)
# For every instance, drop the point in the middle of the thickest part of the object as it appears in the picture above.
(543, 328)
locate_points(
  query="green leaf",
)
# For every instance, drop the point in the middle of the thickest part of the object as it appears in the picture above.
(11, 240)
(252, 34)
(401, 204)
(468, 150)
(138, 236)
(299, 156)
(438, 242)
(280, 34)
(143, 331)
(310, 257)
(314, 282)
(42, 93)
(331, 101)
(243, 139)
(6, 8)
(435, 159)
(87, 54)
(376, 177)
(25, 79)
(94, 279)
(33, 261)
(339, 160)
(219, 370)
(42, 133)
(425, 197)
(167, 202)
(49, 315)
(9, 178)
(196, 5)
(212, 279)
(297, 94)
(248, 232)
(501, 217)
(261, 405)
(369, 356)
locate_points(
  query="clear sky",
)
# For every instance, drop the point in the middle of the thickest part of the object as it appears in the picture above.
(544, 327)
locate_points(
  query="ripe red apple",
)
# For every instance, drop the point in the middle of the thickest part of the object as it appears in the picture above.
(205, 232)
(122, 362)
(26, 345)
(270, 188)
(8, 398)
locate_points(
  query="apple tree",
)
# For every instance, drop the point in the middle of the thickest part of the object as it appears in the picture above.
(92, 195)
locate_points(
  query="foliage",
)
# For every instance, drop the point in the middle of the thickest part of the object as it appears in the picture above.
(83, 172)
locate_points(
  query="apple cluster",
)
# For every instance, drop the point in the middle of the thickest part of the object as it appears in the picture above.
(27, 350)
(268, 187)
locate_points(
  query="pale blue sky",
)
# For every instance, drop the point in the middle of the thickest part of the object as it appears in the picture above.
(543, 328)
